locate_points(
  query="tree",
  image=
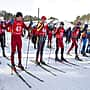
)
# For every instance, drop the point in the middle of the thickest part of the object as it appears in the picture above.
(53, 18)
(88, 17)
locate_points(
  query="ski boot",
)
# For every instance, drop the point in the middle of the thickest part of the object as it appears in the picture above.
(37, 63)
(20, 66)
(77, 58)
(84, 54)
(63, 59)
(13, 67)
(57, 59)
(42, 62)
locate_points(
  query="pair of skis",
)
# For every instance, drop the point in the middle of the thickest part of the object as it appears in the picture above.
(67, 62)
(34, 75)
(47, 70)
(74, 64)
(16, 72)
(52, 67)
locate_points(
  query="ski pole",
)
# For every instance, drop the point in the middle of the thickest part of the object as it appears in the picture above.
(49, 55)
(80, 42)
(50, 51)
(27, 52)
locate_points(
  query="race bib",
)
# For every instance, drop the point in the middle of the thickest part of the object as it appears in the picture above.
(18, 29)
(61, 34)
(44, 30)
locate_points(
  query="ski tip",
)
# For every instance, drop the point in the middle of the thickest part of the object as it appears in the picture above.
(29, 86)
(63, 71)
(42, 80)
(54, 74)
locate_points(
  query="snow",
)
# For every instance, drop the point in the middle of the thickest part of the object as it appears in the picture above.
(75, 78)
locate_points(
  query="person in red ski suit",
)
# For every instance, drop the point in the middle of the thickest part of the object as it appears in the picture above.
(59, 33)
(75, 35)
(49, 39)
(34, 36)
(51, 27)
(16, 41)
(49, 32)
(41, 33)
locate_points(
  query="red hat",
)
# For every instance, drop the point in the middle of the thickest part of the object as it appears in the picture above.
(43, 17)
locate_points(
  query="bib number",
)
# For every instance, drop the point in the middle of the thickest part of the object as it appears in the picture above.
(18, 28)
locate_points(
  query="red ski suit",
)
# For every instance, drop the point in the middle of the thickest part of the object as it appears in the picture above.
(49, 34)
(34, 30)
(75, 34)
(2, 28)
(41, 29)
(59, 37)
(16, 41)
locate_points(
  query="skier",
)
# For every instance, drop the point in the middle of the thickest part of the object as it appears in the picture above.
(9, 28)
(75, 35)
(41, 33)
(17, 28)
(59, 33)
(68, 35)
(49, 33)
(2, 37)
(88, 46)
(4, 23)
(84, 39)
(34, 36)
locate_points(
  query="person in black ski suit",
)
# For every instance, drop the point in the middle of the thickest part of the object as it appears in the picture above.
(2, 37)
(34, 36)
(41, 33)
(68, 35)
(88, 46)
(84, 39)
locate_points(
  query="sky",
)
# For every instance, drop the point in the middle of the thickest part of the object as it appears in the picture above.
(61, 9)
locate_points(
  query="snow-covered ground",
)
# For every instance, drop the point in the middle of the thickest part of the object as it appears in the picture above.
(75, 78)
